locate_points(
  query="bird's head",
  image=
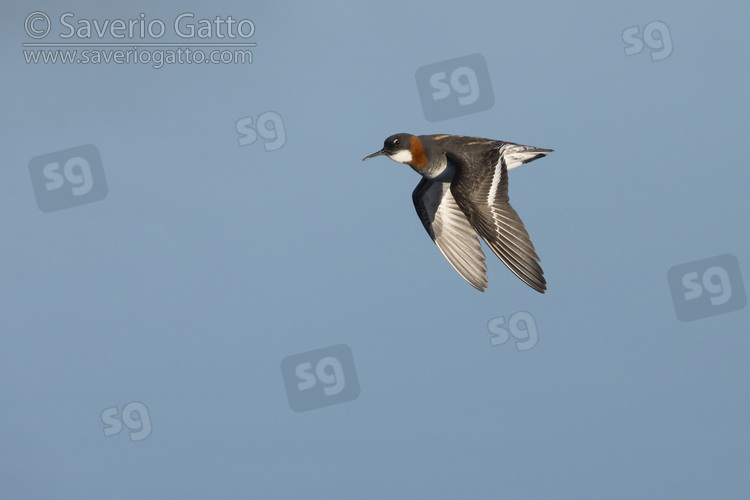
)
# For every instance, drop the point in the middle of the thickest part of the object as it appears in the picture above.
(403, 148)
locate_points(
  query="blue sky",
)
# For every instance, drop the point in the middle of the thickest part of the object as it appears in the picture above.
(207, 263)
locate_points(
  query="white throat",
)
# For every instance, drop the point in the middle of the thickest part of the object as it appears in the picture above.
(403, 156)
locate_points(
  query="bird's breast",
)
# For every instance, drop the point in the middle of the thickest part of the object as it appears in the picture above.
(442, 171)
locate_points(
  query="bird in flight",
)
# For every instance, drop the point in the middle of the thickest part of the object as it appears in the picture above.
(463, 194)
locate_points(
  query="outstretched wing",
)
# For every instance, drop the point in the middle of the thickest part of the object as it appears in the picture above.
(480, 188)
(448, 227)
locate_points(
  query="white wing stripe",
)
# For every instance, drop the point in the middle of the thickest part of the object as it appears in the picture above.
(497, 174)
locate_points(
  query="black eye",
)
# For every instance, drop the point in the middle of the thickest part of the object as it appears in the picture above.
(396, 142)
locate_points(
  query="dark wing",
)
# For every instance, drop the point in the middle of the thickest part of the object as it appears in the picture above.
(448, 227)
(480, 188)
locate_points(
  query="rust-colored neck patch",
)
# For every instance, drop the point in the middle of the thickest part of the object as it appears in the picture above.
(418, 158)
